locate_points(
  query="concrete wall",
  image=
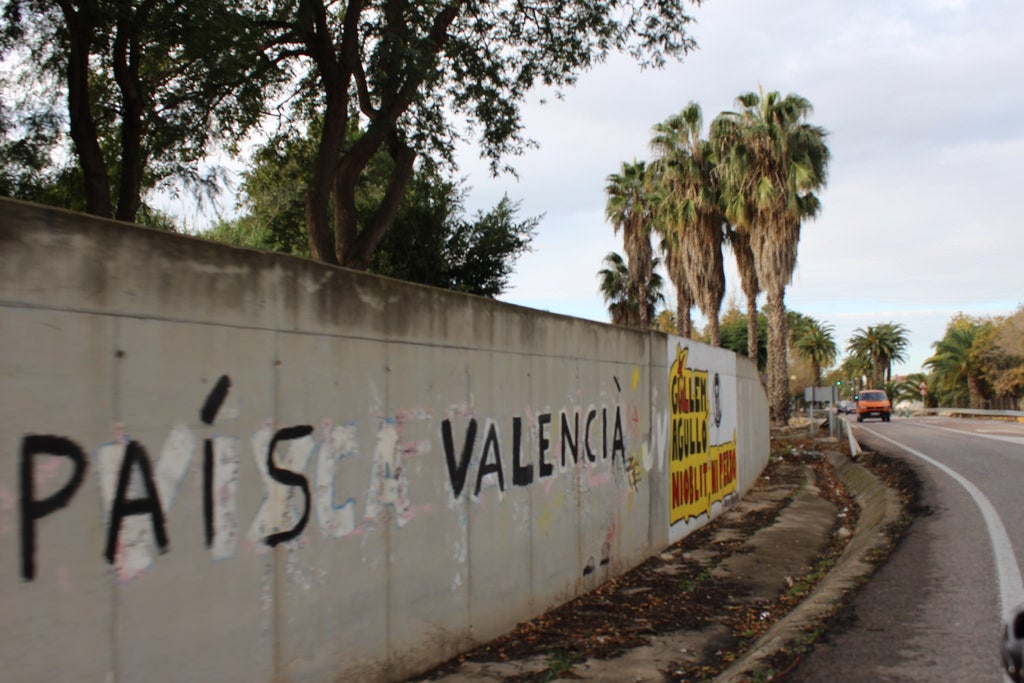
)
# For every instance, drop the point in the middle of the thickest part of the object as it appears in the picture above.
(218, 464)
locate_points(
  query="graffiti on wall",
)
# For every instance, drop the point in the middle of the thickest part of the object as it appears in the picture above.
(138, 491)
(595, 436)
(701, 472)
(300, 472)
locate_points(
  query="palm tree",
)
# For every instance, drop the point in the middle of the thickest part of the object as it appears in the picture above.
(816, 342)
(771, 164)
(909, 389)
(689, 212)
(630, 208)
(622, 294)
(894, 345)
(615, 286)
(879, 346)
(866, 345)
(675, 264)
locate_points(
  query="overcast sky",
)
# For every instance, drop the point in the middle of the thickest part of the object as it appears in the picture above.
(924, 104)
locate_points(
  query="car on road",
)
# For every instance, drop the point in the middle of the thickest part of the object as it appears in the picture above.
(873, 403)
(847, 407)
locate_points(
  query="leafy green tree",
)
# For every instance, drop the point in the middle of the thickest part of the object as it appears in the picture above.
(665, 322)
(956, 364)
(630, 207)
(406, 70)
(771, 163)
(999, 349)
(431, 241)
(689, 214)
(150, 87)
(734, 329)
(979, 362)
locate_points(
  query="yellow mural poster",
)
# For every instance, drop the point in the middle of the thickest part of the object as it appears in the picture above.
(701, 472)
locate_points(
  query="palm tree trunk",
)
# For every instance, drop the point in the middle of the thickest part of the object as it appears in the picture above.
(974, 390)
(752, 345)
(642, 322)
(714, 331)
(778, 372)
(684, 323)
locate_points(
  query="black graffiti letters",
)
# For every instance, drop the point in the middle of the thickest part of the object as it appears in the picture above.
(491, 462)
(546, 468)
(32, 509)
(135, 456)
(207, 414)
(289, 478)
(522, 475)
(591, 455)
(457, 471)
(492, 448)
(618, 440)
(570, 437)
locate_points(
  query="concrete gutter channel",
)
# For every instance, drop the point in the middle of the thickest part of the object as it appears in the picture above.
(765, 564)
(879, 507)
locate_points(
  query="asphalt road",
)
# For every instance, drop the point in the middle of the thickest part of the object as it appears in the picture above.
(934, 611)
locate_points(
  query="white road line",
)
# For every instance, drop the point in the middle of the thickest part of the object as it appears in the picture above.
(979, 434)
(1011, 589)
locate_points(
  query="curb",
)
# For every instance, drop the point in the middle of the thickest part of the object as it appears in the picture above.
(880, 506)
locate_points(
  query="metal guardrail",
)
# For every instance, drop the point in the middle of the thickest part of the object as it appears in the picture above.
(970, 411)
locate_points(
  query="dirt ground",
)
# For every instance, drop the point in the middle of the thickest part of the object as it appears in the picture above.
(681, 591)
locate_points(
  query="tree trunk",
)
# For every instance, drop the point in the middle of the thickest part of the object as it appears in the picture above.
(714, 331)
(319, 232)
(751, 287)
(974, 390)
(126, 74)
(778, 372)
(684, 322)
(358, 252)
(334, 76)
(641, 312)
(752, 345)
(82, 124)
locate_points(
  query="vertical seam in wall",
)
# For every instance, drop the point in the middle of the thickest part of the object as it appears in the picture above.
(530, 494)
(578, 482)
(652, 506)
(274, 559)
(385, 519)
(274, 556)
(115, 414)
(469, 519)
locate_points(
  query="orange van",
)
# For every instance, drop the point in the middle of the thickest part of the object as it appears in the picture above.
(873, 403)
